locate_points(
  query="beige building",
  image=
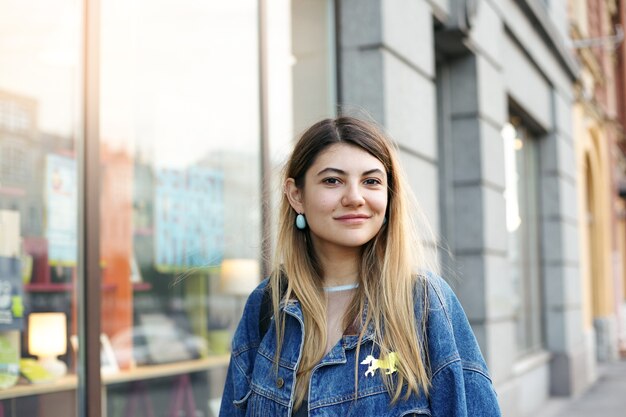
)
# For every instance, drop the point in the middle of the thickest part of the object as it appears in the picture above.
(600, 162)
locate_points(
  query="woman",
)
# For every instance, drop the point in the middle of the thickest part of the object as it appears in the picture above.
(357, 328)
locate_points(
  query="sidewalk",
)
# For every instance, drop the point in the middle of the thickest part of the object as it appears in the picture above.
(605, 398)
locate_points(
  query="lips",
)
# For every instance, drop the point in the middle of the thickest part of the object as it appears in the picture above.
(353, 218)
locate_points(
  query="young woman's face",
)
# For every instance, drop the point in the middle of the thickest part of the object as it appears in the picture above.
(344, 197)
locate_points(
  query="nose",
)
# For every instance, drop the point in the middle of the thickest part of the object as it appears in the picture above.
(353, 196)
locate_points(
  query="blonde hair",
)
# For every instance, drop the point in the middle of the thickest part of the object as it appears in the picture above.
(388, 271)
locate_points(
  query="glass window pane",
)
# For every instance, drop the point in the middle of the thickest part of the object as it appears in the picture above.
(180, 229)
(522, 215)
(40, 124)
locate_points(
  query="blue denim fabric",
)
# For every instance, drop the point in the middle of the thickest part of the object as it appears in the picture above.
(460, 381)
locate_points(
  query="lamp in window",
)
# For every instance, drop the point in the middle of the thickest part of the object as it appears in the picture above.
(47, 339)
(239, 276)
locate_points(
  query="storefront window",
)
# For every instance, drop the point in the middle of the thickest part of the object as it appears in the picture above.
(180, 202)
(40, 125)
(180, 173)
(522, 220)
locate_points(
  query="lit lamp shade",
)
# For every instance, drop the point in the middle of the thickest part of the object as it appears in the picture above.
(47, 339)
(239, 276)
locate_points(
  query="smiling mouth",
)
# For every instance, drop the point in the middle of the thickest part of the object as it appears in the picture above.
(353, 218)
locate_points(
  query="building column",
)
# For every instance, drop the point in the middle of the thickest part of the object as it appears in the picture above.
(386, 61)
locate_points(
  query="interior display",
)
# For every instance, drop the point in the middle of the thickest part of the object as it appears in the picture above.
(34, 372)
(160, 340)
(239, 276)
(47, 339)
(9, 358)
(108, 362)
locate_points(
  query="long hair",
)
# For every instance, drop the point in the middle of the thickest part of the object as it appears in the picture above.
(388, 270)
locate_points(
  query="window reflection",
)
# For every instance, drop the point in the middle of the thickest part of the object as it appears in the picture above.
(180, 189)
(39, 126)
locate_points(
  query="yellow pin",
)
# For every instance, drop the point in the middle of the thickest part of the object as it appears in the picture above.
(388, 363)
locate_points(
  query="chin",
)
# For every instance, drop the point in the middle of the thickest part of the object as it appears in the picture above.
(355, 242)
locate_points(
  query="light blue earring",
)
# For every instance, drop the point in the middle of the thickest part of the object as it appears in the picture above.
(300, 221)
(385, 220)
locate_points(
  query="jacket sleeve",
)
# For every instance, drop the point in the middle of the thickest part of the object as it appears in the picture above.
(243, 354)
(227, 406)
(460, 382)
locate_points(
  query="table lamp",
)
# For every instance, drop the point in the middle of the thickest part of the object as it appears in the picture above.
(47, 339)
(239, 276)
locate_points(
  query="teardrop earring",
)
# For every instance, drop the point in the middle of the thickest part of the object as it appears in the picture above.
(300, 221)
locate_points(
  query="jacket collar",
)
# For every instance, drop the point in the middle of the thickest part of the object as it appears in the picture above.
(293, 308)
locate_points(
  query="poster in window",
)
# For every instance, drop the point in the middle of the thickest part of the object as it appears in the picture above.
(61, 209)
(11, 294)
(189, 218)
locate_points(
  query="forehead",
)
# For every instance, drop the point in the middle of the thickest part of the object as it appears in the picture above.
(346, 158)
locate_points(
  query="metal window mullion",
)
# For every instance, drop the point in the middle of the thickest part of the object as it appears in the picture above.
(266, 168)
(89, 281)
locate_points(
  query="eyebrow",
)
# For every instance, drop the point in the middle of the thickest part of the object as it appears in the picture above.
(342, 172)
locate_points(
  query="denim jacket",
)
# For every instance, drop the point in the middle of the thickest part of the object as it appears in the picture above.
(460, 383)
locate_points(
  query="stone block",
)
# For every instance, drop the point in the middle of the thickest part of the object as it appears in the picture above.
(569, 373)
(492, 155)
(526, 84)
(550, 196)
(424, 180)
(562, 286)
(468, 218)
(361, 23)
(407, 28)
(559, 198)
(470, 286)
(492, 97)
(500, 292)
(466, 150)
(571, 247)
(500, 350)
(363, 82)
(478, 152)
(560, 241)
(533, 388)
(409, 107)
(487, 31)
(563, 328)
(569, 200)
(557, 156)
(463, 86)
(563, 112)
(535, 46)
(508, 398)
(494, 220)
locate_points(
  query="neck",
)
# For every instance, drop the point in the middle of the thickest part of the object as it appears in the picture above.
(340, 267)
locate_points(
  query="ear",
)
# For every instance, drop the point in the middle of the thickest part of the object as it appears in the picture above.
(294, 195)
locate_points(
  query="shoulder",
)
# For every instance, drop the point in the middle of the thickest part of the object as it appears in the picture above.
(450, 337)
(247, 334)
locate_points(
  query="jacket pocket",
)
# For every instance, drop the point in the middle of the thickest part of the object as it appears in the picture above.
(243, 402)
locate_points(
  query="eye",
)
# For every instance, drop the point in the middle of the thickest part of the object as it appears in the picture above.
(372, 181)
(331, 180)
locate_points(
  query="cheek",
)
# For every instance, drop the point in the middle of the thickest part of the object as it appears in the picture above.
(320, 204)
(380, 203)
